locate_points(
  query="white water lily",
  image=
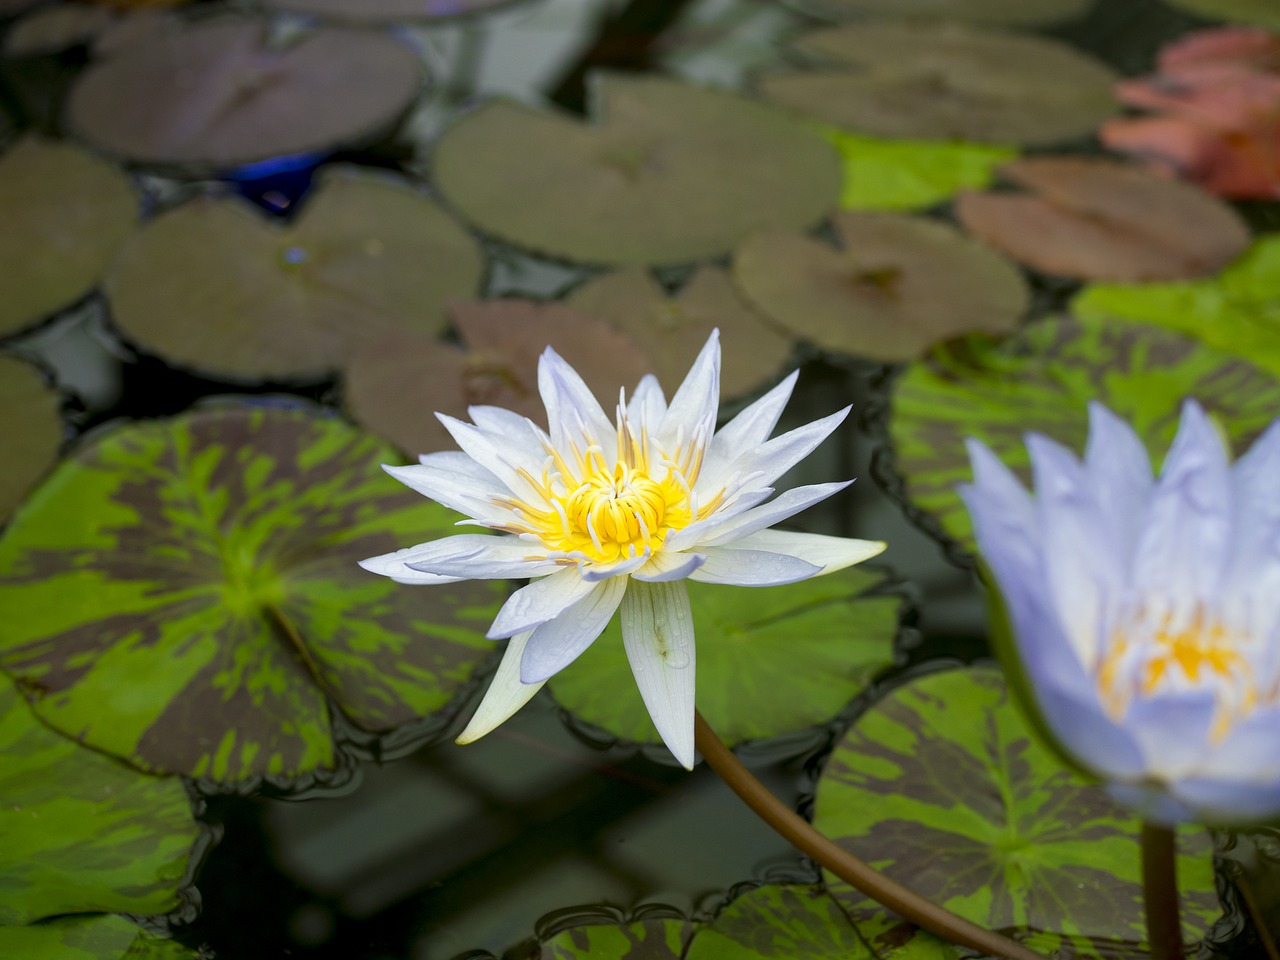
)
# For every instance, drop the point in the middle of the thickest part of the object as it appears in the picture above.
(602, 517)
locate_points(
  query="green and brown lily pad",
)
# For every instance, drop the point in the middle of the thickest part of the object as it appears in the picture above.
(89, 938)
(896, 285)
(1041, 381)
(947, 82)
(943, 787)
(657, 938)
(667, 173)
(217, 285)
(184, 594)
(31, 429)
(769, 662)
(66, 212)
(997, 13)
(674, 328)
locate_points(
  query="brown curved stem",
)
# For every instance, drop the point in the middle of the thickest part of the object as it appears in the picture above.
(801, 834)
(1160, 892)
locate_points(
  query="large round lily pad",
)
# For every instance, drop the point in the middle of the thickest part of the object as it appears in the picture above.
(217, 285)
(225, 93)
(667, 173)
(184, 594)
(769, 662)
(674, 328)
(52, 29)
(942, 786)
(1096, 219)
(377, 11)
(89, 938)
(947, 82)
(65, 214)
(1264, 13)
(398, 383)
(30, 429)
(83, 832)
(1042, 380)
(776, 922)
(896, 286)
(1006, 13)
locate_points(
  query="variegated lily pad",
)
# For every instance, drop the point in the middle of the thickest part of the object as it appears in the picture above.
(948, 82)
(226, 92)
(89, 938)
(779, 923)
(674, 328)
(1003, 13)
(646, 182)
(942, 786)
(1041, 381)
(30, 429)
(896, 286)
(1264, 13)
(217, 285)
(65, 214)
(184, 594)
(83, 832)
(664, 938)
(769, 662)
(377, 11)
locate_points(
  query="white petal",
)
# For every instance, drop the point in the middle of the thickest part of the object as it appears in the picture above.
(828, 553)
(734, 505)
(657, 632)
(557, 643)
(1119, 472)
(535, 604)
(514, 431)
(1254, 573)
(647, 405)
(468, 493)
(752, 426)
(1000, 484)
(786, 504)
(771, 459)
(693, 408)
(752, 568)
(506, 694)
(480, 557)
(493, 453)
(666, 565)
(595, 572)
(574, 416)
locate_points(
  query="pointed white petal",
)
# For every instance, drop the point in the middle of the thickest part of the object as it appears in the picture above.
(752, 568)
(574, 416)
(647, 405)
(752, 426)
(506, 694)
(733, 506)
(515, 432)
(595, 572)
(786, 504)
(535, 604)
(470, 494)
(657, 632)
(557, 643)
(666, 566)
(694, 406)
(1119, 472)
(828, 553)
(999, 482)
(480, 557)
(1255, 566)
(771, 459)
(495, 455)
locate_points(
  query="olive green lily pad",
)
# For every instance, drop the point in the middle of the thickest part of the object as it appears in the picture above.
(65, 214)
(667, 173)
(1041, 381)
(898, 285)
(781, 922)
(88, 938)
(217, 285)
(184, 594)
(662, 938)
(674, 328)
(30, 429)
(225, 92)
(948, 82)
(1000, 13)
(942, 786)
(1237, 311)
(378, 11)
(911, 174)
(83, 832)
(769, 662)
(1264, 13)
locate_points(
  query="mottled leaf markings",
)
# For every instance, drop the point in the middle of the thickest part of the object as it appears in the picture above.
(88, 938)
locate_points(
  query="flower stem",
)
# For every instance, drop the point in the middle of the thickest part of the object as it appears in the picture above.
(1160, 892)
(800, 833)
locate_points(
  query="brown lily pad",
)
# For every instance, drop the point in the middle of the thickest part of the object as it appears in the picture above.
(898, 285)
(1003, 13)
(395, 385)
(218, 286)
(30, 430)
(674, 328)
(379, 11)
(668, 173)
(65, 214)
(948, 82)
(223, 93)
(1096, 219)
(54, 28)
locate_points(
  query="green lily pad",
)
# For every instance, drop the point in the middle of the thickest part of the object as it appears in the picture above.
(911, 174)
(1000, 13)
(52, 29)
(65, 214)
(217, 285)
(88, 938)
(1041, 381)
(646, 182)
(30, 429)
(674, 328)
(769, 662)
(941, 785)
(184, 594)
(1237, 311)
(664, 938)
(781, 922)
(1264, 13)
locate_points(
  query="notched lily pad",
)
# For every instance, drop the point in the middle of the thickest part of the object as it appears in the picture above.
(646, 182)
(1041, 381)
(674, 328)
(398, 383)
(89, 938)
(66, 212)
(216, 285)
(896, 286)
(184, 594)
(1003, 13)
(1095, 219)
(769, 662)
(380, 11)
(947, 82)
(942, 786)
(225, 93)
(30, 429)
(83, 832)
